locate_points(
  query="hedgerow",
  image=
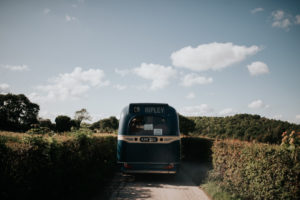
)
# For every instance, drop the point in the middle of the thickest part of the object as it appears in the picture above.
(43, 168)
(256, 171)
(196, 149)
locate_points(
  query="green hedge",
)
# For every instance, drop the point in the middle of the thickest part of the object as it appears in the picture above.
(42, 168)
(196, 149)
(256, 171)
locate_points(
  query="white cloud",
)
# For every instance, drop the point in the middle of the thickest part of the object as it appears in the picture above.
(202, 109)
(226, 112)
(70, 18)
(278, 14)
(281, 20)
(46, 11)
(158, 74)
(257, 104)
(4, 88)
(255, 10)
(122, 72)
(120, 87)
(71, 85)
(258, 68)
(277, 117)
(298, 117)
(212, 56)
(191, 95)
(17, 67)
(193, 79)
(297, 21)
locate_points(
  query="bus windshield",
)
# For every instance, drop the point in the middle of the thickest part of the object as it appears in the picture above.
(148, 125)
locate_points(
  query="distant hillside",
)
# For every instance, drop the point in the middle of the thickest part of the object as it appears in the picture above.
(244, 127)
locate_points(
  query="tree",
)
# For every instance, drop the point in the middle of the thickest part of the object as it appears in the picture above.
(106, 125)
(63, 123)
(186, 125)
(81, 115)
(17, 113)
(46, 123)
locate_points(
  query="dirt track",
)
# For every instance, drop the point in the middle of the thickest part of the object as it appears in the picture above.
(166, 187)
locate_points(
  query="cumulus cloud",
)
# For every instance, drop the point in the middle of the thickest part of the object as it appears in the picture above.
(194, 79)
(281, 20)
(212, 56)
(258, 68)
(122, 72)
(191, 95)
(298, 117)
(255, 10)
(71, 85)
(16, 67)
(46, 11)
(226, 112)
(70, 18)
(257, 104)
(4, 88)
(202, 109)
(159, 75)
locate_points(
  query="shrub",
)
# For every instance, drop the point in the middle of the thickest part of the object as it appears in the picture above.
(63, 123)
(256, 171)
(196, 149)
(40, 168)
(106, 125)
(186, 125)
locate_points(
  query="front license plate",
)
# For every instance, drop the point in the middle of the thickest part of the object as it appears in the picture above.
(148, 139)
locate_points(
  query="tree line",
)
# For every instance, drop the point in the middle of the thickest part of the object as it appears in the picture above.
(17, 113)
(245, 127)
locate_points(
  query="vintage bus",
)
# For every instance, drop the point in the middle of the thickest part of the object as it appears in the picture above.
(148, 139)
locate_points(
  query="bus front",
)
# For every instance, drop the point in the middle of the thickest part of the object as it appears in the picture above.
(148, 139)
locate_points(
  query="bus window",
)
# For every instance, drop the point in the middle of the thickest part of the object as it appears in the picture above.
(148, 125)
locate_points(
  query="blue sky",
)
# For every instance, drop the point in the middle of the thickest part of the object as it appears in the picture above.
(205, 58)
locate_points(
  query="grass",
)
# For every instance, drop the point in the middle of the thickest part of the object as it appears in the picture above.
(216, 192)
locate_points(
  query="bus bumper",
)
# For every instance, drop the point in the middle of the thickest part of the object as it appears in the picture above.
(150, 168)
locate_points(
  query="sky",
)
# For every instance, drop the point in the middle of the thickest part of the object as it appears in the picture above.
(204, 58)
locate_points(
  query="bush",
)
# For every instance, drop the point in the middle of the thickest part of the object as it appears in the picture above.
(39, 168)
(196, 149)
(106, 125)
(63, 123)
(256, 171)
(186, 125)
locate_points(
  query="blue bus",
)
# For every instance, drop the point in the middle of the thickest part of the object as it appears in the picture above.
(148, 139)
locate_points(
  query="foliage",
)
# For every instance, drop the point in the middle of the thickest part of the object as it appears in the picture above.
(217, 192)
(106, 125)
(46, 123)
(256, 171)
(81, 115)
(196, 149)
(243, 127)
(186, 125)
(44, 168)
(17, 113)
(36, 129)
(63, 123)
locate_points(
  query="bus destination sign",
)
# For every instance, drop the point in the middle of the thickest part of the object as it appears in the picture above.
(154, 110)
